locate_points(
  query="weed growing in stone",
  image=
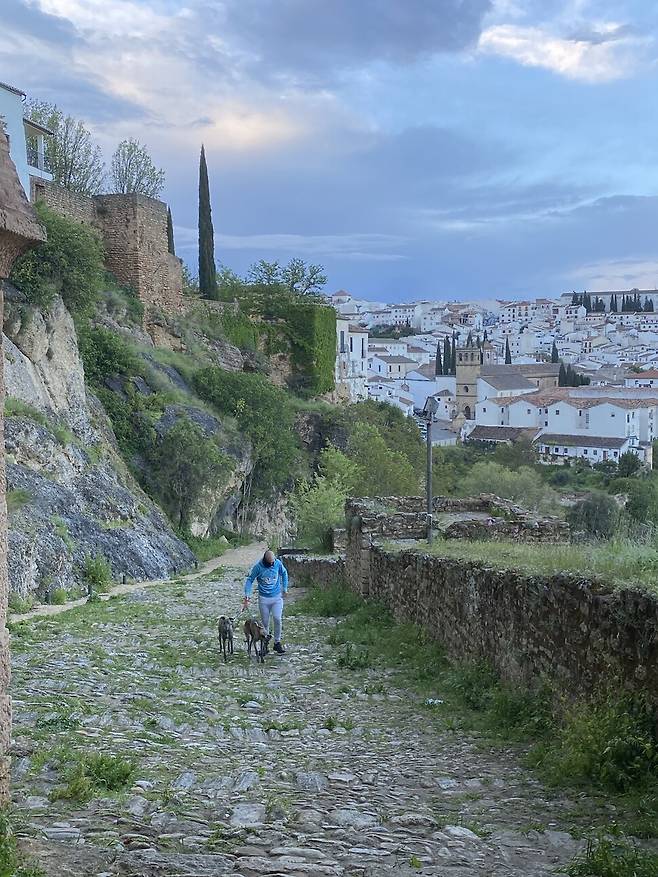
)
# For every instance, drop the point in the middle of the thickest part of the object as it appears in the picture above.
(611, 858)
(610, 744)
(10, 860)
(93, 773)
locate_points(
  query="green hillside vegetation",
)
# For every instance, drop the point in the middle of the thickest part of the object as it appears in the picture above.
(176, 415)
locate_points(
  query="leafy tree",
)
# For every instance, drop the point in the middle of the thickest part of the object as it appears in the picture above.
(170, 233)
(383, 472)
(320, 503)
(74, 160)
(596, 515)
(229, 285)
(508, 355)
(296, 278)
(189, 465)
(190, 282)
(69, 263)
(133, 171)
(555, 356)
(302, 279)
(207, 270)
(438, 364)
(629, 465)
(263, 412)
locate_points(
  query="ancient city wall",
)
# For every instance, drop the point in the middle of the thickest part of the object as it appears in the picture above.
(133, 229)
(583, 635)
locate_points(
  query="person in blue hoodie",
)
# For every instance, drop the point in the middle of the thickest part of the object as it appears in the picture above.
(272, 578)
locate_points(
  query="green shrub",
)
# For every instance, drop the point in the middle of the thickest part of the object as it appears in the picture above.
(318, 506)
(17, 498)
(610, 744)
(69, 263)
(209, 547)
(597, 515)
(59, 597)
(97, 572)
(612, 858)
(522, 486)
(105, 354)
(20, 605)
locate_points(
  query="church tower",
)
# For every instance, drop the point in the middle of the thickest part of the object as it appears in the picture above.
(470, 360)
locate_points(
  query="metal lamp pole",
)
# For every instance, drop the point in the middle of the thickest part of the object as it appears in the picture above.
(428, 479)
(430, 410)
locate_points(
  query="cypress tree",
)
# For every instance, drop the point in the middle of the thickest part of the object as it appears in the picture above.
(485, 336)
(438, 365)
(447, 368)
(469, 340)
(574, 298)
(453, 357)
(562, 378)
(207, 270)
(554, 354)
(613, 304)
(170, 233)
(508, 355)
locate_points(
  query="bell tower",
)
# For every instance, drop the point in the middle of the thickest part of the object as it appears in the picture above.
(467, 371)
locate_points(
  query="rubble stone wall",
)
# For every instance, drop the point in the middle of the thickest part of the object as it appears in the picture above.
(133, 229)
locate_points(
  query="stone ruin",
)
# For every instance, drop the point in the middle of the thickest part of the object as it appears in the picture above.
(486, 517)
(19, 230)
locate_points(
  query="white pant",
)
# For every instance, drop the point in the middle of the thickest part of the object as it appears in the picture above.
(271, 606)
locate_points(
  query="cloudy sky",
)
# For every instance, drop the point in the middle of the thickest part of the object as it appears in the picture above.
(452, 148)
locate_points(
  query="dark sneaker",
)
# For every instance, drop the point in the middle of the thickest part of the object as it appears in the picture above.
(278, 648)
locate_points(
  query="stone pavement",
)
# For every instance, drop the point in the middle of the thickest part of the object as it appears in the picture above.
(298, 767)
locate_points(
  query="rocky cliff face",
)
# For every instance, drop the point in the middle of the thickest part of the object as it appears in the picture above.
(70, 494)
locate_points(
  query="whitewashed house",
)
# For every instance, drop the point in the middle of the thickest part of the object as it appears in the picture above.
(27, 140)
(351, 370)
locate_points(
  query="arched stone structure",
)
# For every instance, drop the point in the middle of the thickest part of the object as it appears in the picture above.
(19, 230)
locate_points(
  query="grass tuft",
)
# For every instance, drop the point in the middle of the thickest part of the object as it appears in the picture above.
(610, 858)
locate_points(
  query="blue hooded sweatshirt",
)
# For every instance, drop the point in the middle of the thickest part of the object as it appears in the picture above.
(272, 580)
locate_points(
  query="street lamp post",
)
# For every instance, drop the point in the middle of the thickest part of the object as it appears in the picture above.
(430, 409)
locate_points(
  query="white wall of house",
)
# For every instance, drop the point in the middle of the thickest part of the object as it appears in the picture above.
(11, 111)
(556, 454)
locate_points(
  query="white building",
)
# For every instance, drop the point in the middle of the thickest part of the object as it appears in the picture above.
(26, 138)
(351, 372)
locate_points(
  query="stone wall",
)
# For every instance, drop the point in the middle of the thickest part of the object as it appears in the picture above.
(308, 569)
(19, 230)
(133, 229)
(500, 520)
(582, 634)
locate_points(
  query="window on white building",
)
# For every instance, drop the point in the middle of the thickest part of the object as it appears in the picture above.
(546, 423)
(527, 411)
(351, 344)
(557, 450)
(595, 452)
(484, 410)
(557, 410)
(585, 451)
(616, 453)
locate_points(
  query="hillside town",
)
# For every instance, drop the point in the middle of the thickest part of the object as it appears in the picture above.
(574, 375)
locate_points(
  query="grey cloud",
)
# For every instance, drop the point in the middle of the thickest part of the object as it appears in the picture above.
(317, 37)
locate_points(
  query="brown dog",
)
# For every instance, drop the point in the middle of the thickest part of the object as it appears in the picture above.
(258, 637)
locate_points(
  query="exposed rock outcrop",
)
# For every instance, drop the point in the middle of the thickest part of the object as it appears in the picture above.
(70, 494)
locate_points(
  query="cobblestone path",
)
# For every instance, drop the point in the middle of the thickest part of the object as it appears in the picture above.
(298, 767)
